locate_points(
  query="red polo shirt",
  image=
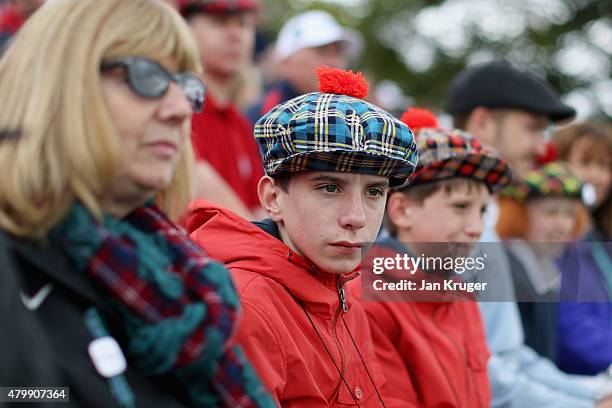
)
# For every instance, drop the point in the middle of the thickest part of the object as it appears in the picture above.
(224, 138)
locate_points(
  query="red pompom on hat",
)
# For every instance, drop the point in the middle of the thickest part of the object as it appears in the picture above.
(549, 155)
(418, 118)
(341, 82)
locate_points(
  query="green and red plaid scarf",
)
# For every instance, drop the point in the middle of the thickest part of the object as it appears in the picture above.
(179, 308)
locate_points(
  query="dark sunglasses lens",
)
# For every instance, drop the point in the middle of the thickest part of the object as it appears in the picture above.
(148, 79)
(194, 90)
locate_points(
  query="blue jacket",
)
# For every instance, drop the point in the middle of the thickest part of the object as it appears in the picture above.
(585, 324)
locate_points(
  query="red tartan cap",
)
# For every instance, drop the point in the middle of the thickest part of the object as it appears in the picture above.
(188, 7)
(450, 153)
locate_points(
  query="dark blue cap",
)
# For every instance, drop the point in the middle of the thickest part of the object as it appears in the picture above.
(499, 85)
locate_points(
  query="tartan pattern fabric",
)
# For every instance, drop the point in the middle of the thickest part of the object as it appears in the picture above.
(329, 132)
(551, 180)
(178, 307)
(448, 153)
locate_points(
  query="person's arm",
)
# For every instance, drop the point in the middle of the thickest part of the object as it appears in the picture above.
(398, 390)
(584, 336)
(209, 185)
(518, 376)
(542, 370)
(512, 388)
(262, 347)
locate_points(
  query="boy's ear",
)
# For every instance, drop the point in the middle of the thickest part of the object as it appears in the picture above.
(398, 210)
(269, 195)
(481, 124)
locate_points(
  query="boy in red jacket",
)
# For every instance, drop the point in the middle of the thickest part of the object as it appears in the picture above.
(437, 330)
(330, 158)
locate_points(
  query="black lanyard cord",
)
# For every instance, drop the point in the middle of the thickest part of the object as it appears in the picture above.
(328, 352)
(363, 362)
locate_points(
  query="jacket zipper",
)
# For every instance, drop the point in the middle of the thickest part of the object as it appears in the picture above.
(342, 307)
(342, 299)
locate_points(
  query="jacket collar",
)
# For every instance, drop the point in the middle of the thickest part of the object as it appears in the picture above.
(242, 245)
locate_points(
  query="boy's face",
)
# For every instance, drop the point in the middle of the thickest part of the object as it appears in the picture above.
(551, 219)
(328, 216)
(454, 216)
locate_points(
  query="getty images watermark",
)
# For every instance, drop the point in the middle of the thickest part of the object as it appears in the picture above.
(501, 271)
(426, 269)
(426, 272)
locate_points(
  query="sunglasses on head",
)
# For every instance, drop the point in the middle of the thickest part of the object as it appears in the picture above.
(150, 80)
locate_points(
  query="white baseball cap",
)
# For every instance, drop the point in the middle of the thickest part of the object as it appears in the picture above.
(315, 28)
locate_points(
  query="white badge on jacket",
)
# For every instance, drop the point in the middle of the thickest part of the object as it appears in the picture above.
(107, 356)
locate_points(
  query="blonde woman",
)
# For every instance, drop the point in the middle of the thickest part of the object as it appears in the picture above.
(97, 98)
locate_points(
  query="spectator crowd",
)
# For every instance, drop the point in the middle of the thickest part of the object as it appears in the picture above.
(189, 213)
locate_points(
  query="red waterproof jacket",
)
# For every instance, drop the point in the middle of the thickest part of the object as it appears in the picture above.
(441, 342)
(443, 347)
(309, 341)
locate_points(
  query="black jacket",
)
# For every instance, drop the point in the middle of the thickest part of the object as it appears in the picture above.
(48, 346)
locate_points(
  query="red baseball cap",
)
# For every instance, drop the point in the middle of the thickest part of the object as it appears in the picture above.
(187, 7)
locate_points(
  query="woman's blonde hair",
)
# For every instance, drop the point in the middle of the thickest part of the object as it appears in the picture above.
(68, 148)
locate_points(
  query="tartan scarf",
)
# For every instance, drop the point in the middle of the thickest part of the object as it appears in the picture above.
(178, 307)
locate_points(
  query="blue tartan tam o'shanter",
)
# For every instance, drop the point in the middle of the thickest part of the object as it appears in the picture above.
(333, 130)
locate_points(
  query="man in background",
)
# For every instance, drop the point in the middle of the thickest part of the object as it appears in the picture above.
(229, 166)
(306, 41)
(510, 109)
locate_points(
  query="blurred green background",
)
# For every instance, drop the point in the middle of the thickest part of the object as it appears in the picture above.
(420, 45)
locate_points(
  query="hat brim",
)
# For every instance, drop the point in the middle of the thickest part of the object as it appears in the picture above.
(347, 161)
(350, 40)
(499, 85)
(492, 171)
(560, 112)
(555, 113)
